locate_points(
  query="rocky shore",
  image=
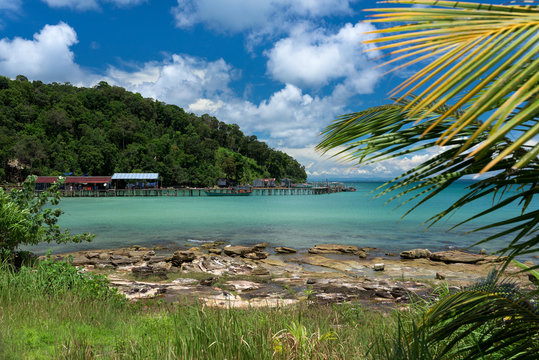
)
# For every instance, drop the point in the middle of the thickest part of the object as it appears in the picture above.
(224, 275)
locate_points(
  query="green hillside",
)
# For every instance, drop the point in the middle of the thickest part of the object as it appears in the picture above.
(52, 129)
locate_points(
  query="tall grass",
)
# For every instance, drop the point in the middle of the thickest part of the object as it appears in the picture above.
(54, 311)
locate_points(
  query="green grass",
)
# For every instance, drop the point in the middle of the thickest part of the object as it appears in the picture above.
(54, 312)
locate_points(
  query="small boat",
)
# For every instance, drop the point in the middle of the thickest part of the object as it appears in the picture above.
(235, 191)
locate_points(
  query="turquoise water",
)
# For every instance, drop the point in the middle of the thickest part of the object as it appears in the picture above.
(296, 221)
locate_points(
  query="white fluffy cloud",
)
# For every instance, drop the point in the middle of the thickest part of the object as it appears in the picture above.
(313, 58)
(46, 57)
(83, 5)
(288, 117)
(181, 80)
(319, 165)
(257, 16)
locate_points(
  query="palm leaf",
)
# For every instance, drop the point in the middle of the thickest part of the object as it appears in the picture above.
(486, 50)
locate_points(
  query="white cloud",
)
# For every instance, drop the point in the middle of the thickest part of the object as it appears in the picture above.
(313, 58)
(46, 57)
(318, 165)
(205, 106)
(180, 79)
(261, 16)
(288, 117)
(73, 4)
(83, 5)
(10, 5)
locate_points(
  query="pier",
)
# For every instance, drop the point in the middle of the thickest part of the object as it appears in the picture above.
(190, 192)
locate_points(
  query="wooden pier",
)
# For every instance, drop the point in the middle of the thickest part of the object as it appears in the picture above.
(184, 192)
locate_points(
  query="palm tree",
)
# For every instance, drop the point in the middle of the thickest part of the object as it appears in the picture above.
(477, 102)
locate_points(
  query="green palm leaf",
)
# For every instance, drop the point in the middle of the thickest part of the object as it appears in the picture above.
(486, 50)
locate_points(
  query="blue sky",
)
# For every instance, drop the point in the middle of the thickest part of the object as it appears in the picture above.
(281, 69)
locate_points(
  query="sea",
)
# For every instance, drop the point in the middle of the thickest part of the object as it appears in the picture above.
(298, 221)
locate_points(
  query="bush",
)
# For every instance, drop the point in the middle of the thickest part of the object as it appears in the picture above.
(24, 219)
(55, 279)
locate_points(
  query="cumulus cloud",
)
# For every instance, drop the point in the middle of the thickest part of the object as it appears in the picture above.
(83, 5)
(46, 57)
(314, 58)
(179, 79)
(261, 16)
(319, 165)
(288, 117)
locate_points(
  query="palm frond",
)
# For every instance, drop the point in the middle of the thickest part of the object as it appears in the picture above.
(479, 49)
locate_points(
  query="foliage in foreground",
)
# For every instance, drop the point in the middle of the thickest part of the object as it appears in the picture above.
(477, 111)
(78, 318)
(24, 219)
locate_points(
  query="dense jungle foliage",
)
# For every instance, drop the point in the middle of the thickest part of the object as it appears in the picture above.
(52, 129)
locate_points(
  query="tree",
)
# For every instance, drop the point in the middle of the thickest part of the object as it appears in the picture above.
(479, 99)
(24, 219)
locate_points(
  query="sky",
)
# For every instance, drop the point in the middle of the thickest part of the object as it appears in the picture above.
(280, 69)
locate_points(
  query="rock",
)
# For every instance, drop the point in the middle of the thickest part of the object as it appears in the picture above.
(156, 259)
(457, 256)
(161, 266)
(120, 260)
(136, 254)
(334, 249)
(185, 281)
(257, 255)
(311, 281)
(194, 249)
(81, 261)
(181, 257)
(482, 252)
(439, 276)
(92, 255)
(379, 267)
(159, 248)
(415, 254)
(216, 251)
(242, 285)
(142, 270)
(260, 271)
(285, 250)
(261, 246)
(104, 265)
(104, 256)
(362, 254)
(389, 254)
(237, 250)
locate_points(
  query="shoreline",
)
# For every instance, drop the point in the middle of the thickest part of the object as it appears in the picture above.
(249, 276)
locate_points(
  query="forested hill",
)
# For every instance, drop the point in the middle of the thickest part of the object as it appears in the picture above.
(52, 129)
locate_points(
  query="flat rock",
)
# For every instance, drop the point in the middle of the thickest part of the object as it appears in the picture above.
(238, 250)
(415, 254)
(457, 256)
(285, 250)
(242, 285)
(257, 255)
(216, 251)
(334, 249)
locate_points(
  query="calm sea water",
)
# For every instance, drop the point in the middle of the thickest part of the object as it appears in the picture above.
(296, 221)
